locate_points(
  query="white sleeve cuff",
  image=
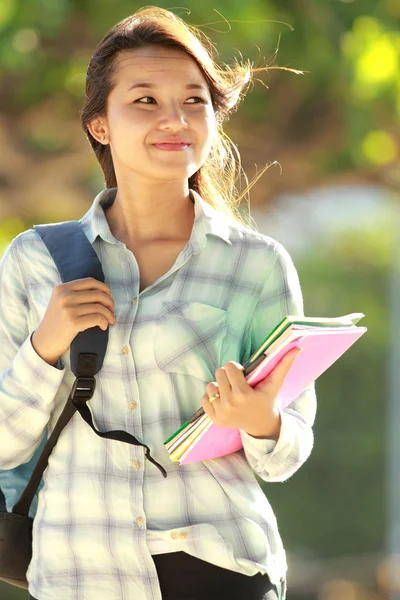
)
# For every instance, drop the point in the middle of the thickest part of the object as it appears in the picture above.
(35, 373)
(257, 447)
(267, 456)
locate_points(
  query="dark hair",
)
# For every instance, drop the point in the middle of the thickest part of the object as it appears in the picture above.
(216, 179)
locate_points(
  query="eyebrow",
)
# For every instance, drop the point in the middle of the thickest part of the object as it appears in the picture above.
(189, 86)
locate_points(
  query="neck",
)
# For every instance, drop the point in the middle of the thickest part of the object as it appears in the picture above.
(141, 214)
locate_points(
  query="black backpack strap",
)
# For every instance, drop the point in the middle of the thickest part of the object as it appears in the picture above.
(75, 258)
(86, 367)
(118, 435)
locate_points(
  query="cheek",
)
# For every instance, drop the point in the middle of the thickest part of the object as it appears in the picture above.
(209, 134)
(206, 128)
(126, 120)
(210, 121)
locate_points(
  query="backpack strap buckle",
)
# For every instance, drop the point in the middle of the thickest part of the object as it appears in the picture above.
(83, 389)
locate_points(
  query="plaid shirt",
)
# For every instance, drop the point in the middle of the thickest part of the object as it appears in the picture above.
(104, 510)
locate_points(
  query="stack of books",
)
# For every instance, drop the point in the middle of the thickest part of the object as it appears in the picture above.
(323, 341)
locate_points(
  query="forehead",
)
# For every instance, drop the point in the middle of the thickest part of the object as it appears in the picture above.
(157, 64)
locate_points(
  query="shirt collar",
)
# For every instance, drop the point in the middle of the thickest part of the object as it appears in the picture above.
(207, 221)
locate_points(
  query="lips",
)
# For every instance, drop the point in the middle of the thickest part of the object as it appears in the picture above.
(172, 140)
(172, 145)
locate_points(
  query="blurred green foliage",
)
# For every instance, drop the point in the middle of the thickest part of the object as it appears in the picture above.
(350, 51)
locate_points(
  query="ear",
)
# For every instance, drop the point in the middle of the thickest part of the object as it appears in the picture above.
(98, 130)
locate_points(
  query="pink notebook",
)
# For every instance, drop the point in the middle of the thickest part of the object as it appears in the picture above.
(320, 350)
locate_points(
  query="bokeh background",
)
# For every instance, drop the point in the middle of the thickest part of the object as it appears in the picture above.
(331, 197)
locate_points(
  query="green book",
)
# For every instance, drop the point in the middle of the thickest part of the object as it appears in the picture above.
(289, 321)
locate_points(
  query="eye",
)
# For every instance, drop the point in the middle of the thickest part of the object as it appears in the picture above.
(200, 100)
(145, 98)
(196, 98)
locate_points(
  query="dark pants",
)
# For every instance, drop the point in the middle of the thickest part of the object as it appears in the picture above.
(183, 577)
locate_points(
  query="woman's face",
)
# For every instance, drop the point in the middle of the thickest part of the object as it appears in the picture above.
(160, 95)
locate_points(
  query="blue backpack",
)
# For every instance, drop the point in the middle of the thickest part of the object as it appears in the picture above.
(75, 258)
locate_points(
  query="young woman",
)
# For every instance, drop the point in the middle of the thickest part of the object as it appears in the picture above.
(190, 294)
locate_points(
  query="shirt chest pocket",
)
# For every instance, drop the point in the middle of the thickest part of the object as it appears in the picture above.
(189, 339)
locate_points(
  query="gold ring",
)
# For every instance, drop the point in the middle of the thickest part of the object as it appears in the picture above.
(212, 398)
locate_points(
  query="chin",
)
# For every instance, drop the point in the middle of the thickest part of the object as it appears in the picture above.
(172, 173)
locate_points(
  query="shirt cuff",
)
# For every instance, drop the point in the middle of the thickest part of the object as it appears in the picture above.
(58, 364)
(35, 373)
(257, 447)
(260, 448)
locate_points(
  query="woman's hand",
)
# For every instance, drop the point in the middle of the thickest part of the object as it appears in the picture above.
(74, 307)
(240, 406)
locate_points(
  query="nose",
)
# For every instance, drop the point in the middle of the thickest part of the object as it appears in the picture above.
(173, 118)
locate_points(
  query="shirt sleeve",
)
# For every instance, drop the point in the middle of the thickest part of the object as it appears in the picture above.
(28, 384)
(281, 296)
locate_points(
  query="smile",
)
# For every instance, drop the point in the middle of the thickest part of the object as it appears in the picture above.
(172, 147)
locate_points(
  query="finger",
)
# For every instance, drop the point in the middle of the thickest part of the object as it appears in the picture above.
(235, 375)
(212, 391)
(88, 283)
(208, 407)
(213, 398)
(212, 388)
(278, 374)
(224, 387)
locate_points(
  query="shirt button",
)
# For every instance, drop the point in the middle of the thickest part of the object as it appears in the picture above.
(125, 350)
(134, 300)
(174, 535)
(132, 405)
(139, 521)
(183, 535)
(136, 465)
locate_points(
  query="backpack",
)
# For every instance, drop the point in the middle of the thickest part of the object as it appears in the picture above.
(75, 258)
